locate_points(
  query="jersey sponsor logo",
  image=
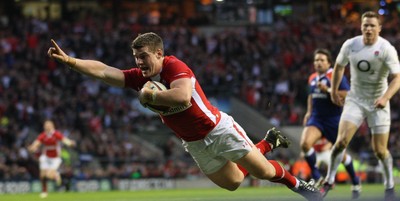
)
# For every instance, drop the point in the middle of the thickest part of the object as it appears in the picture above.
(319, 95)
(363, 66)
(174, 110)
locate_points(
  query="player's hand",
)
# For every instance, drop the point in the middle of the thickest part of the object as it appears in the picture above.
(322, 87)
(336, 98)
(380, 103)
(145, 95)
(58, 54)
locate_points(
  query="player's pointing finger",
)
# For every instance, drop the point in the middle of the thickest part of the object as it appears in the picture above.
(55, 45)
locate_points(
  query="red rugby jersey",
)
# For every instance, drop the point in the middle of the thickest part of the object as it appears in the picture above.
(190, 123)
(51, 143)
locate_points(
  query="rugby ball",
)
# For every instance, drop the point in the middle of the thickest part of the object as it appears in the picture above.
(157, 86)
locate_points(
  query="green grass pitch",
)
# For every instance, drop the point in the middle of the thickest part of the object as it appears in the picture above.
(273, 193)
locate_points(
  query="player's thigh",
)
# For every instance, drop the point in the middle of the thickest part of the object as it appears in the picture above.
(54, 163)
(229, 176)
(347, 129)
(309, 136)
(44, 163)
(380, 142)
(257, 165)
(53, 173)
(43, 173)
(353, 112)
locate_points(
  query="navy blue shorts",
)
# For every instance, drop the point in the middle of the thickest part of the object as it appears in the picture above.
(327, 125)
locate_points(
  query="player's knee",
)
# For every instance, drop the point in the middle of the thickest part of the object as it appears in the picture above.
(337, 149)
(305, 147)
(232, 186)
(51, 174)
(380, 154)
(341, 145)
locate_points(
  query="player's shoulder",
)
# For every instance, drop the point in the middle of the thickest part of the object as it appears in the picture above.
(357, 40)
(384, 43)
(41, 135)
(312, 76)
(171, 62)
(329, 73)
(58, 133)
(171, 59)
(174, 68)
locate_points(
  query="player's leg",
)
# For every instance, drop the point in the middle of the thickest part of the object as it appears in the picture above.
(43, 181)
(309, 137)
(228, 177)
(53, 173)
(352, 116)
(379, 146)
(43, 166)
(346, 132)
(379, 123)
(355, 180)
(259, 167)
(273, 139)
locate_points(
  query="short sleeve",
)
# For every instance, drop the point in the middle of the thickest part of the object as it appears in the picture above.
(392, 60)
(342, 58)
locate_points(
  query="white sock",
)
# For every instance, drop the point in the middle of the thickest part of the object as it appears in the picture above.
(310, 152)
(348, 160)
(335, 162)
(297, 184)
(387, 173)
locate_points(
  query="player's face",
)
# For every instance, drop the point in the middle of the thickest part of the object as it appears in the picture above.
(370, 29)
(48, 126)
(321, 63)
(150, 63)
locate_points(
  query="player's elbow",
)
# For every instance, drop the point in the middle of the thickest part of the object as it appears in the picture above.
(185, 100)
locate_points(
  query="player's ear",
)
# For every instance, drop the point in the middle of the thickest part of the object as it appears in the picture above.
(159, 53)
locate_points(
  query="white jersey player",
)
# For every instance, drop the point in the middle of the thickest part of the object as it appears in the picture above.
(371, 59)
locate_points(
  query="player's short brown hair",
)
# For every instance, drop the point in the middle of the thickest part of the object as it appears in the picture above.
(150, 40)
(371, 14)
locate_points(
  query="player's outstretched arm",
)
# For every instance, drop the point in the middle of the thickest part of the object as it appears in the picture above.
(34, 146)
(68, 142)
(96, 69)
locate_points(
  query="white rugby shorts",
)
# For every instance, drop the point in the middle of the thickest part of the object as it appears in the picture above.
(356, 110)
(46, 163)
(226, 142)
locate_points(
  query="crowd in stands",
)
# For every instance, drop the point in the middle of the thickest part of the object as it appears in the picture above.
(265, 66)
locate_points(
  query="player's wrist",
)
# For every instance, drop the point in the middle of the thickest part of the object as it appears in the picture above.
(153, 96)
(71, 62)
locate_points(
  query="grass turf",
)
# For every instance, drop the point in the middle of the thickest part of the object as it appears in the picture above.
(373, 192)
